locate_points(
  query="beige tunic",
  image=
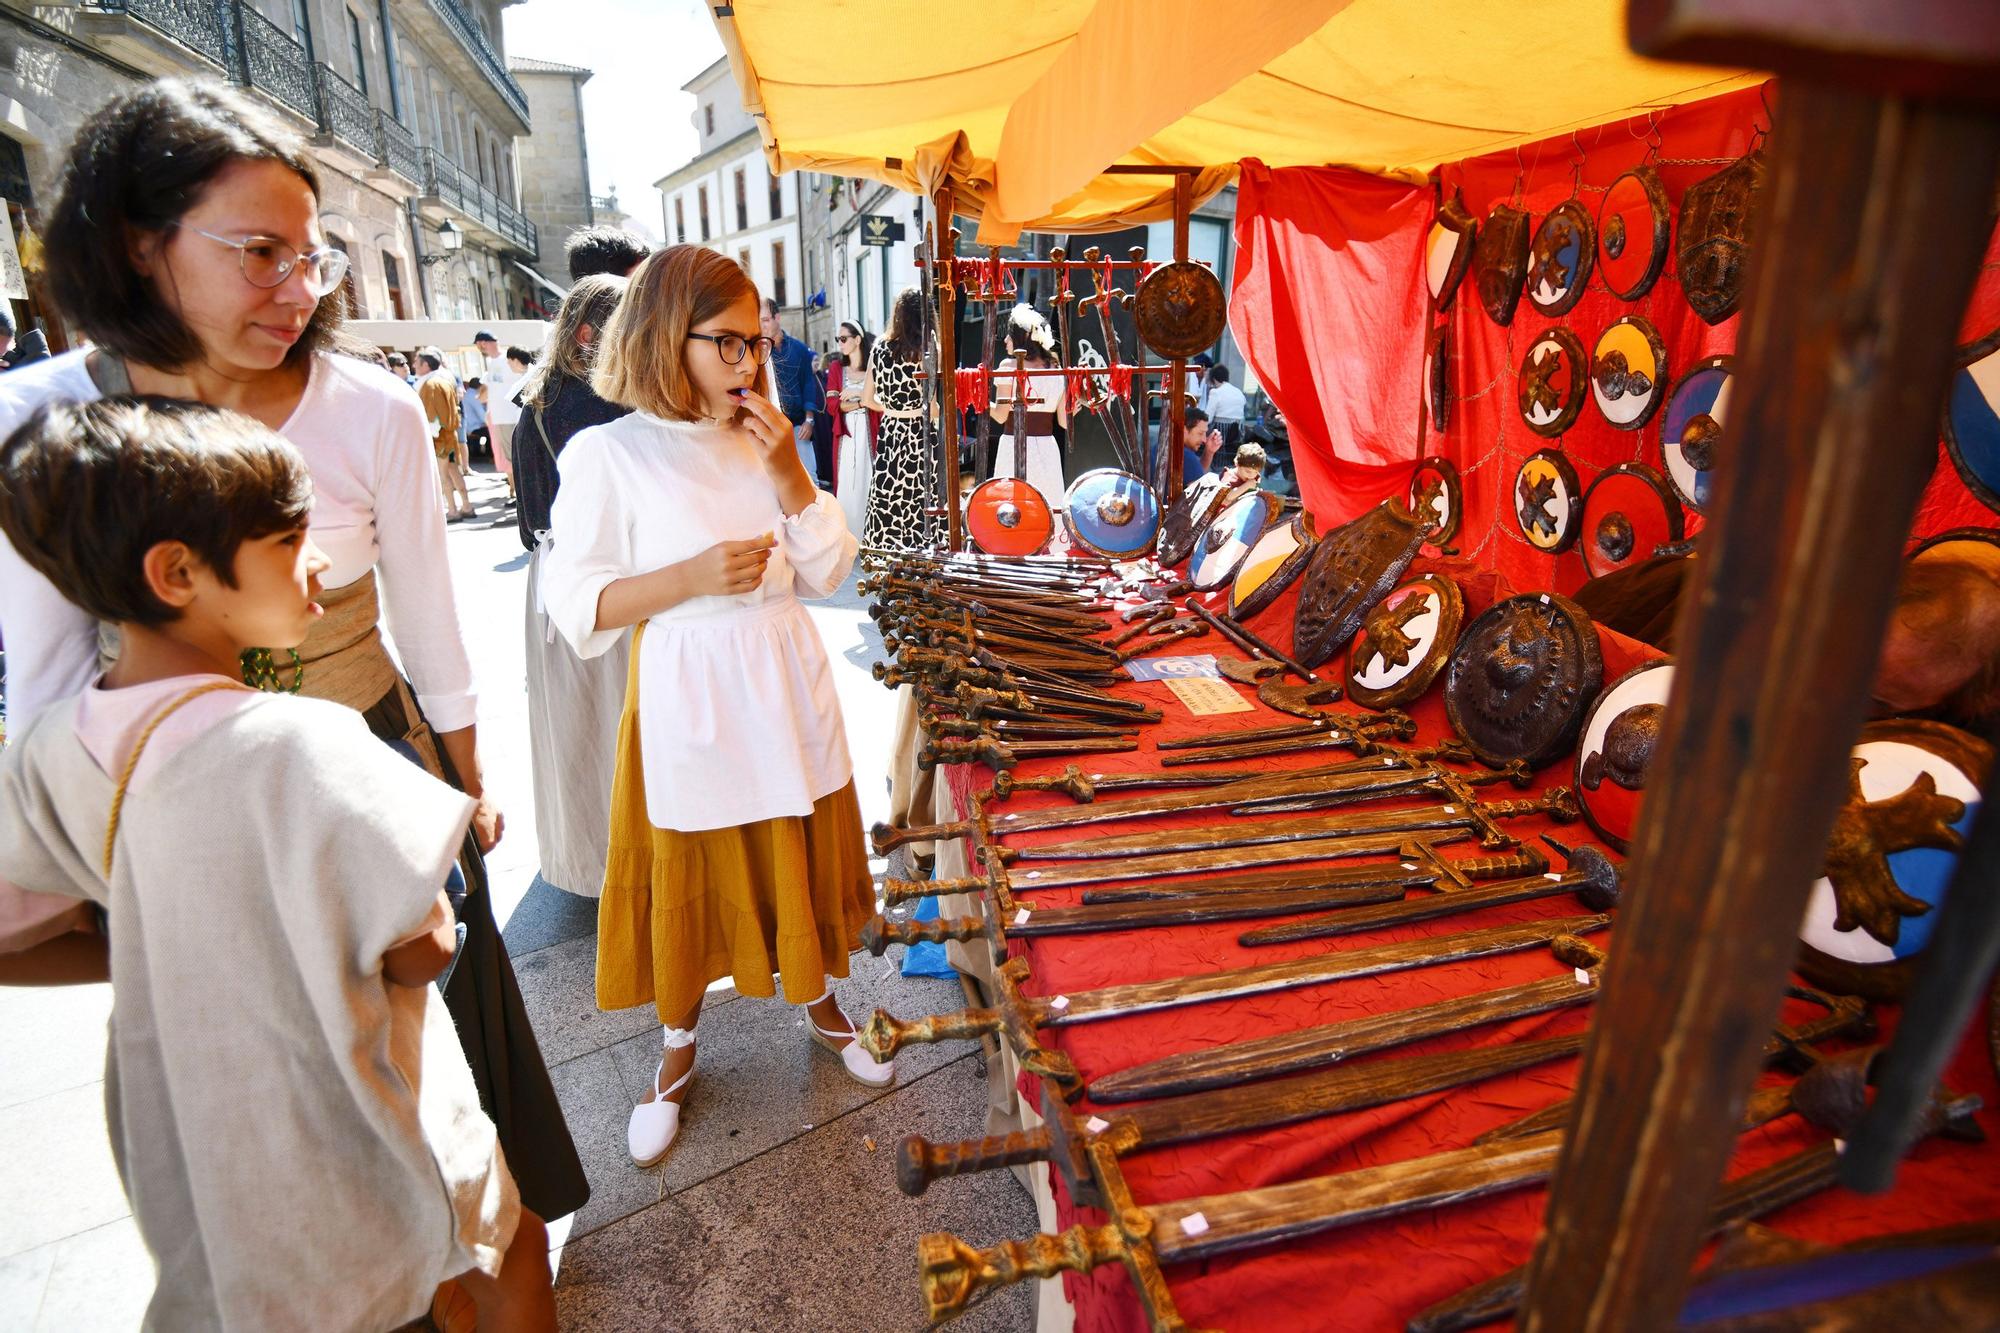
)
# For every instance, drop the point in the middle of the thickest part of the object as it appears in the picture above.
(300, 1139)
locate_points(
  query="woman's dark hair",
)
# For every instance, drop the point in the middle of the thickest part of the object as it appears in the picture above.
(86, 489)
(138, 165)
(906, 325)
(611, 250)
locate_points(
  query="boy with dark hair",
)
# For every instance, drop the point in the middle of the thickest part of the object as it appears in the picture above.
(610, 250)
(291, 943)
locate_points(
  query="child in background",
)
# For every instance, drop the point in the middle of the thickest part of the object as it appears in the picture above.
(735, 836)
(294, 1122)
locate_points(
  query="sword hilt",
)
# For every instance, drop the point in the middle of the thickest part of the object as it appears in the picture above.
(887, 837)
(909, 890)
(1503, 865)
(884, 1034)
(919, 1161)
(1072, 782)
(880, 932)
(992, 753)
(1558, 803)
(976, 702)
(955, 1275)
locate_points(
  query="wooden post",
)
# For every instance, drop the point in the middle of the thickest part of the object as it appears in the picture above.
(943, 252)
(1871, 230)
(1174, 422)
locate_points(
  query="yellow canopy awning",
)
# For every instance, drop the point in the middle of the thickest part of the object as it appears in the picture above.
(1023, 106)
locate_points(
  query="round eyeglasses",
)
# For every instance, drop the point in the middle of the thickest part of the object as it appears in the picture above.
(267, 261)
(732, 346)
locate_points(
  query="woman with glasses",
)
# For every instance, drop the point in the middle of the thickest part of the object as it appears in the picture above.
(853, 424)
(736, 844)
(186, 245)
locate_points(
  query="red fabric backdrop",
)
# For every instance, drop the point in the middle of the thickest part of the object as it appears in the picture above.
(1330, 309)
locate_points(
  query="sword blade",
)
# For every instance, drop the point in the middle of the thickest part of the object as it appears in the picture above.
(1331, 739)
(1250, 791)
(1167, 865)
(1252, 833)
(1263, 978)
(1093, 918)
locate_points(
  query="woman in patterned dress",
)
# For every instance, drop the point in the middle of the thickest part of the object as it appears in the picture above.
(904, 486)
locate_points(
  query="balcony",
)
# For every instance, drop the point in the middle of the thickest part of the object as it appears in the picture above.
(448, 192)
(457, 38)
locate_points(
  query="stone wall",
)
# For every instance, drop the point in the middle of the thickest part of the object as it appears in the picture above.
(553, 167)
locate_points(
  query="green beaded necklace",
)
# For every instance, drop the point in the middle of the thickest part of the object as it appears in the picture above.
(260, 672)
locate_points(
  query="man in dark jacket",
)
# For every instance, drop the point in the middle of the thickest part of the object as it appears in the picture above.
(799, 391)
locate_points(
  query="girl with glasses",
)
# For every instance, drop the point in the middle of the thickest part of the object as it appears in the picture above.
(186, 245)
(853, 424)
(736, 845)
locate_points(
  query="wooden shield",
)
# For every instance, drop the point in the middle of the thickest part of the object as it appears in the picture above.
(1500, 262)
(1222, 548)
(1972, 419)
(1548, 501)
(1190, 514)
(1007, 516)
(1632, 229)
(1560, 258)
(1440, 477)
(1615, 752)
(1112, 513)
(1913, 794)
(1448, 250)
(1437, 379)
(1405, 642)
(1523, 675)
(1712, 250)
(1350, 571)
(1550, 388)
(1628, 372)
(1693, 430)
(1180, 310)
(1628, 513)
(1277, 559)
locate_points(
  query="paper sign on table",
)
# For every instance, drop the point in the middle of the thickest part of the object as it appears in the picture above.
(1168, 668)
(1206, 698)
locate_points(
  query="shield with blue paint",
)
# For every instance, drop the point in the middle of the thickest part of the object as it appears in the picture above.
(1222, 548)
(1972, 419)
(1112, 513)
(1692, 434)
(1913, 794)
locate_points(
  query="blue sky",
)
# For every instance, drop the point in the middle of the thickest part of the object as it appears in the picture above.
(635, 115)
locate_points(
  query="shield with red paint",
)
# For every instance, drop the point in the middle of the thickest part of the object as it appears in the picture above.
(1628, 513)
(1632, 229)
(1615, 754)
(1007, 516)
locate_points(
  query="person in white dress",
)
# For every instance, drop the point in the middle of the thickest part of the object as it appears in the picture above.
(736, 844)
(1031, 343)
(847, 391)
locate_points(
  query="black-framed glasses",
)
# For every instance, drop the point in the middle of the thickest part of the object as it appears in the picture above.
(732, 346)
(267, 261)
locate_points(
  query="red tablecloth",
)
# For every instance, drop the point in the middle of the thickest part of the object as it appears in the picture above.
(1375, 1275)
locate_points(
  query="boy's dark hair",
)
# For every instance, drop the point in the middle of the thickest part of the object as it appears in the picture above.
(86, 489)
(1218, 374)
(473, 382)
(521, 354)
(610, 250)
(138, 165)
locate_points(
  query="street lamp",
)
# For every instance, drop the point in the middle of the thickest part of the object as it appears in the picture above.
(450, 241)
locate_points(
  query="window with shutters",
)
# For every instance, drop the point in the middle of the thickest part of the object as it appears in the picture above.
(680, 220)
(778, 273)
(702, 208)
(742, 201)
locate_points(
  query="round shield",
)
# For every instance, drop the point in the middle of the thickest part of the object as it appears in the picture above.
(1628, 512)
(1559, 259)
(1437, 379)
(1619, 737)
(1180, 310)
(1551, 385)
(1112, 513)
(1521, 678)
(1221, 550)
(1405, 642)
(1007, 516)
(1189, 515)
(1913, 793)
(1500, 261)
(1548, 501)
(1440, 475)
(1972, 419)
(1448, 251)
(1628, 372)
(1278, 558)
(1983, 536)
(1691, 432)
(1632, 227)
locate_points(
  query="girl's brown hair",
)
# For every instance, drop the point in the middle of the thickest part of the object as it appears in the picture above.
(590, 304)
(642, 357)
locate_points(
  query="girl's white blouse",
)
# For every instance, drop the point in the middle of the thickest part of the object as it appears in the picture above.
(738, 718)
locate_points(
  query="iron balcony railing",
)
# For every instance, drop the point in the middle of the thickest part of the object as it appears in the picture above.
(474, 41)
(344, 112)
(448, 182)
(267, 59)
(200, 25)
(396, 148)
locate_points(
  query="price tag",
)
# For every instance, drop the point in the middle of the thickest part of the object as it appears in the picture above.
(1451, 809)
(1209, 698)
(1060, 1003)
(1021, 917)
(1409, 865)
(1194, 1224)
(1552, 877)
(1583, 976)
(1096, 1125)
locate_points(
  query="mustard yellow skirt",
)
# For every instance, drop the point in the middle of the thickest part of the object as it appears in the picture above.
(784, 897)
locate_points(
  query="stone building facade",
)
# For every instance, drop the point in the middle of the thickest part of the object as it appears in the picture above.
(409, 107)
(554, 162)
